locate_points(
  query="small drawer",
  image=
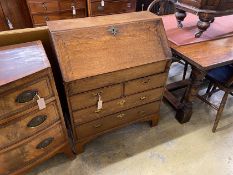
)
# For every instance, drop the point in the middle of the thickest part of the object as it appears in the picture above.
(40, 19)
(31, 149)
(91, 98)
(112, 7)
(43, 6)
(145, 83)
(31, 122)
(89, 114)
(22, 96)
(115, 120)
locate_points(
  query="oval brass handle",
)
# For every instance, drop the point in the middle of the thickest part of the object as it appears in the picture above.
(142, 113)
(146, 81)
(45, 143)
(143, 98)
(26, 96)
(36, 121)
(121, 103)
(120, 116)
(98, 125)
(97, 93)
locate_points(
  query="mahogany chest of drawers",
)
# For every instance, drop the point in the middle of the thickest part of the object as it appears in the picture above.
(107, 7)
(114, 70)
(31, 132)
(46, 10)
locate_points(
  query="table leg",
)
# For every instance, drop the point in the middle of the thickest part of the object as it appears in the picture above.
(180, 16)
(184, 114)
(204, 23)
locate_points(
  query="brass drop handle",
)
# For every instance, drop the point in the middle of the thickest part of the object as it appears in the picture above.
(120, 116)
(121, 103)
(44, 6)
(146, 81)
(97, 93)
(98, 125)
(143, 98)
(98, 110)
(129, 5)
(74, 11)
(142, 113)
(26, 96)
(45, 143)
(37, 121)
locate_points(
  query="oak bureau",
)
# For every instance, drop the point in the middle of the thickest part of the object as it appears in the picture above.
(31, 121)
(114, 70)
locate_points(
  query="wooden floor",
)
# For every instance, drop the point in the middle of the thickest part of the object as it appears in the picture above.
(168, 149)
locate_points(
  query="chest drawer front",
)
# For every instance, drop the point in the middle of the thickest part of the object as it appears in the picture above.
(40, 19)
(112, 7)
(34, 148)
(89, 114)
(91, 98)
(31, 122)
(115, 120)
(44, 6)
(22, 96)
(115, 77)
(145, 83)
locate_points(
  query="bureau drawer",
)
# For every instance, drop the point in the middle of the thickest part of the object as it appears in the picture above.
(28, 124)
(108, 79)
(112, 7)
(145, 83)
(22, 96)
(33, 148)
(43, 6)
(89, 114)
(91, 98)
(40, 19)
(112, 121)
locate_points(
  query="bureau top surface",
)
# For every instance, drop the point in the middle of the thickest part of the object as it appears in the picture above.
(88, 47)
(20, 60)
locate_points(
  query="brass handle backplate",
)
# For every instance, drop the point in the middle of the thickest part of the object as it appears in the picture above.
(120, 115)
(26, 96)
(97, 93)
(45, 143)
(143, 98)
(142, 113)
(146, 81)
(44, 6)
(36, 121)
(98, 125)
(121, 103)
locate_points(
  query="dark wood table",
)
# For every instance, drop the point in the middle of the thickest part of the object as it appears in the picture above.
(202, 57)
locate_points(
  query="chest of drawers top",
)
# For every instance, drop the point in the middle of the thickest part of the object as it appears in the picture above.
(93, 46)
(21, 60)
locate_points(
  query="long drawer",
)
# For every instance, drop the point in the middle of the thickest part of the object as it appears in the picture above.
(108, 79)
(112, 121)
(90, 98)
(112, 7)
(89, 114)
(34, 148)
(17, 98)
(47, 6)
(40, 19)
(31, 122)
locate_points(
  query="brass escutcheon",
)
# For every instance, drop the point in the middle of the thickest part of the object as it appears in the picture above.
(121, 103)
